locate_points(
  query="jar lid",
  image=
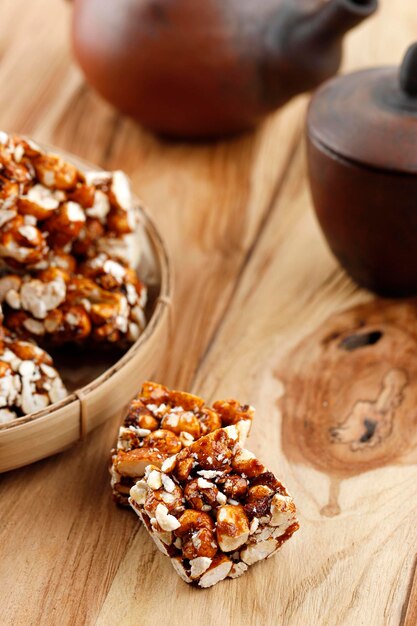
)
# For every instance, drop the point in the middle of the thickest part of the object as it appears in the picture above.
(370, 116)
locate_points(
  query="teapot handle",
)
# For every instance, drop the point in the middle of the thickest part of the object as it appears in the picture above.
(408, 71)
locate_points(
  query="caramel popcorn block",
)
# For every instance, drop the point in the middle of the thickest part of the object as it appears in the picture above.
(66, 251)
(214, 509)
(47, 204)
(28, 380)
(101, 299)
(160, 423)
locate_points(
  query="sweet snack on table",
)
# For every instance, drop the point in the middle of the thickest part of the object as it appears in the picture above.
(214, 509)
(48, 205)
(28, 380)
(161, 422)
(102, 299)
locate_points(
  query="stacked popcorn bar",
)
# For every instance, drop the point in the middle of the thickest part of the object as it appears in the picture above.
(160, 423)
(28, 380)
(50, 207)
(66, 236)
(66, 267)
(214, 509)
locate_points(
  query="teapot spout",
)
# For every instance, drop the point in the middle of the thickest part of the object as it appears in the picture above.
(336, 17)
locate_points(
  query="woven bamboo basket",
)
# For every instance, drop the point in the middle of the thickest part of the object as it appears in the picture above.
(111, 384)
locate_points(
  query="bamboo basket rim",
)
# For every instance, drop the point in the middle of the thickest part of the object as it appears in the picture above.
(162, 301)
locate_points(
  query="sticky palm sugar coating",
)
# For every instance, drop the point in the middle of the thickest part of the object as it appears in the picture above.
(101, 299)
(160, 423)
(214, 509)
(48, 205)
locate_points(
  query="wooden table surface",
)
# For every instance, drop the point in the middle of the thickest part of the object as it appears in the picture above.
(253, 279)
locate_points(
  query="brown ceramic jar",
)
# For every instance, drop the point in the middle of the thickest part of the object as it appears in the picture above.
(362, 162)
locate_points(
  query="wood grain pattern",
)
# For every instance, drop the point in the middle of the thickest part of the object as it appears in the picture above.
(253, 278)
(410, 607)
(341, 424)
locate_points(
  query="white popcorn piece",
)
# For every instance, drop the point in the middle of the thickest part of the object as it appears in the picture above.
(258, 551)
(217, 572)
(168, 483)
(238, 569)
(199, 565)
(164, 519)
(154, 480)
(120, 187)
(42, 197)
(138, 492)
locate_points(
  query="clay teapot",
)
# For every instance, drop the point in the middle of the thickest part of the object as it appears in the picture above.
(362, 161)
(205, 68)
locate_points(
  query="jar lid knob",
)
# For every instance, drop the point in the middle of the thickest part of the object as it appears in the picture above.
(408, 71)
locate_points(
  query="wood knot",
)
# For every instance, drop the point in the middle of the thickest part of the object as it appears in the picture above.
(350, 391)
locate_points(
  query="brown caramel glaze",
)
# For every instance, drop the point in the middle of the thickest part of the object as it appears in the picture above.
(350, 393)
(197, 533)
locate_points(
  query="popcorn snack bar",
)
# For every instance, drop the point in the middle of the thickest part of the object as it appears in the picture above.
(214, 509)
(101, 299)
(49, 206)
(160, 423)
(28, 380)
(68, 241)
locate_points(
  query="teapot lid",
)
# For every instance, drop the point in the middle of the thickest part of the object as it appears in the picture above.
(370, 116)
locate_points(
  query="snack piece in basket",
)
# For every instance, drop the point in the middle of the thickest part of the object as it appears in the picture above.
(68, 246)
(101, 299)
(214, 509)
(28, 380)
(160, 423)
(47, 204)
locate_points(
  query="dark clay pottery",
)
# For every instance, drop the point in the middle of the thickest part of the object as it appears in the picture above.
(194, 68)
(362, 161)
